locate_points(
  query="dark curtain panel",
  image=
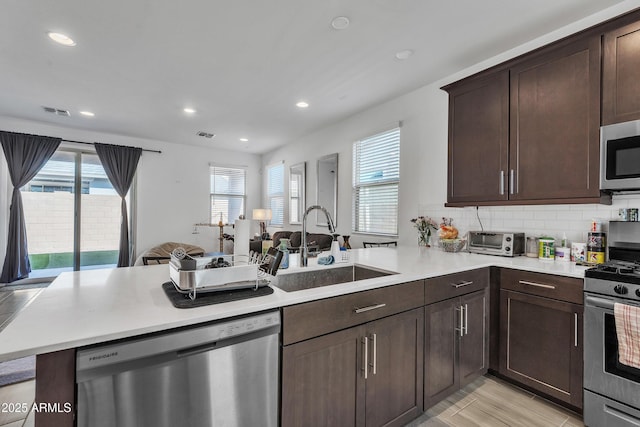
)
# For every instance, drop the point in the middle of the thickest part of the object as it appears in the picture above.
(120, 164)
(26, 155)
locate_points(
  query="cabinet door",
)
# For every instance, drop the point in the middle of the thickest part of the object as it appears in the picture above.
(555, 118)
(620, 83)
(474, 350)
(541, 344)
(442, 326)
(479, 139)
(394, 385)
(323, 381)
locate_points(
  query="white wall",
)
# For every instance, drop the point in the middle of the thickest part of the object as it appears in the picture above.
(172, 187)
(423, 160)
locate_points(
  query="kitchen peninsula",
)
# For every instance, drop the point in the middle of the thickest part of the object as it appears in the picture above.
(99, 306)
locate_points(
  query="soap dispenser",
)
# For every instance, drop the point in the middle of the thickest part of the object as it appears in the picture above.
(335, 248)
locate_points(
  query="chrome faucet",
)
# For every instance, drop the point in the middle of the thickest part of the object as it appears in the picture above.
(303, 248)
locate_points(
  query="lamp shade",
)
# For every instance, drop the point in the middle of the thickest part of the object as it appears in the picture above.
(262, 214)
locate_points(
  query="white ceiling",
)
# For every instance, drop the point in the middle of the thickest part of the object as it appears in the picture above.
(243, 64)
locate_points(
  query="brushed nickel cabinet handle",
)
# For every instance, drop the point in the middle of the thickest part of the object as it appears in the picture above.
(539, 285)
(365, 362)
(374, 344)
(502, 183)
(512, 182)
(575, 329)
(369, 308)
(461, 320)
(466, 319)
(462, 284)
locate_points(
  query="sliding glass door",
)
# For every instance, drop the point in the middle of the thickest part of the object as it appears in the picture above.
(72, 215)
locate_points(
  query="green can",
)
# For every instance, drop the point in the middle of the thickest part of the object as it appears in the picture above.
(546, 249)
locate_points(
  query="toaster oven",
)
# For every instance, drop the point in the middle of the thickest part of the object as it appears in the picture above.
(496, 243)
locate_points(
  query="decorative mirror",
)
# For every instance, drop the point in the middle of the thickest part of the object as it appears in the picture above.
(327, 188)
(297, 190)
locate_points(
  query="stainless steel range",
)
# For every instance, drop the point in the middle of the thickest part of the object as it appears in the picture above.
(611, 389)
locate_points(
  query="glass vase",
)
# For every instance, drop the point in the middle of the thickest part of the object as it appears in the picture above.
(424, 238)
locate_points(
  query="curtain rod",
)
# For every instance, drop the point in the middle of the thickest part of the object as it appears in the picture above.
(93, 143)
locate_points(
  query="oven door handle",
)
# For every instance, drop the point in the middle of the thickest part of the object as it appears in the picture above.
(603, 303)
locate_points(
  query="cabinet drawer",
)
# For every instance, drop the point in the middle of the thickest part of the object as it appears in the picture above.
(312, 319)
(453, 285)
(545, 285)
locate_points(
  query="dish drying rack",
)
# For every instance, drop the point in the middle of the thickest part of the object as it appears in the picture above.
(196, 275)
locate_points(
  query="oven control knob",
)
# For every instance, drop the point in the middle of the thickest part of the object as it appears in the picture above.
(508, 239)
(638, 292)
(507, 249)
(620, 290)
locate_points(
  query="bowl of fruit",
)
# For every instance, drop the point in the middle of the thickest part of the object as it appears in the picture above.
(448, 234)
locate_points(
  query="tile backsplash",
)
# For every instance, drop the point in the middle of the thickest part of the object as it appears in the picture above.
(535, 220)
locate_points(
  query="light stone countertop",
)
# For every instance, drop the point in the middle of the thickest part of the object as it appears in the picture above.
(95, 306)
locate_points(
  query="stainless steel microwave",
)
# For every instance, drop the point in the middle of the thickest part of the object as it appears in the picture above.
(620, 156)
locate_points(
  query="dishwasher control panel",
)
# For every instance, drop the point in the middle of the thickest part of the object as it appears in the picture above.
(176, 341)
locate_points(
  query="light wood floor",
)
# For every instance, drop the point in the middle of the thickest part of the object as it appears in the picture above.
(491, 402)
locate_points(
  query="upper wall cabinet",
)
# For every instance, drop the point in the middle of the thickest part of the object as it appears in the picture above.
(479, 139)
(555, 125)
(528, 132)
(620, 82)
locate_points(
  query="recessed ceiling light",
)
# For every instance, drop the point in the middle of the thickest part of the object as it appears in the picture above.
(404, 54)
(189, 110)
(244, 139)
(302, 104)
(63, 39)
(340, 22)
(87, 113)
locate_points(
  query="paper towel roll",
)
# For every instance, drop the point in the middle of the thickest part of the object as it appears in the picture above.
(241, 236)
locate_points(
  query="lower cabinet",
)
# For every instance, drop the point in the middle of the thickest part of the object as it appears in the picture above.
(456, 334)
(365, 375)
(541, 333)
(368, 375)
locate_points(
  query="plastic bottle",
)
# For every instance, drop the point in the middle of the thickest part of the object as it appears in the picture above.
(284, 248)
(335, 248)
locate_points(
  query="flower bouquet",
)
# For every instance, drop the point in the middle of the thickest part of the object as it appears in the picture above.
(424, 225)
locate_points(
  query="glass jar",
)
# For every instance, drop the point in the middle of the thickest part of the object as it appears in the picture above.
(531, 249)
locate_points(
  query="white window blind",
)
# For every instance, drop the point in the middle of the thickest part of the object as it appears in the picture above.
(376, 176)
(228, 193)
(275, 193)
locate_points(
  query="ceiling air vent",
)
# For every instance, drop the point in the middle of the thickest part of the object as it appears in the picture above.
(206, 134)
(57, 111)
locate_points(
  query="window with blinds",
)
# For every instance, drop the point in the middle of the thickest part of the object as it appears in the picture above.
(275, 193)
(228, 193)
(376, 177)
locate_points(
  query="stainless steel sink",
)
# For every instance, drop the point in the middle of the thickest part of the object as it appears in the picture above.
(324, 277)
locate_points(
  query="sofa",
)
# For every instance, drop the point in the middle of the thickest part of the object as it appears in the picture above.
(315, 241)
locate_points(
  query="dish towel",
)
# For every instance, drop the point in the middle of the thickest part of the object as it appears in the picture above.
(628, 330)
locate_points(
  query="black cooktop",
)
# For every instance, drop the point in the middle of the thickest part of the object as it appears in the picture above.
(620, 271)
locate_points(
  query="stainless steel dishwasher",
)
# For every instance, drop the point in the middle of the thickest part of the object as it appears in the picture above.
(220, 374)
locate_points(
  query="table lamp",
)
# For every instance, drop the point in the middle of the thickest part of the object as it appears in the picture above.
(262, 215)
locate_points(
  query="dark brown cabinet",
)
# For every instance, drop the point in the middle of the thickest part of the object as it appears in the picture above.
(365, 375)
(456, 333)
(555, 124)
(620, 83)
(541, 333)
(514, 129)
(479, 139)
